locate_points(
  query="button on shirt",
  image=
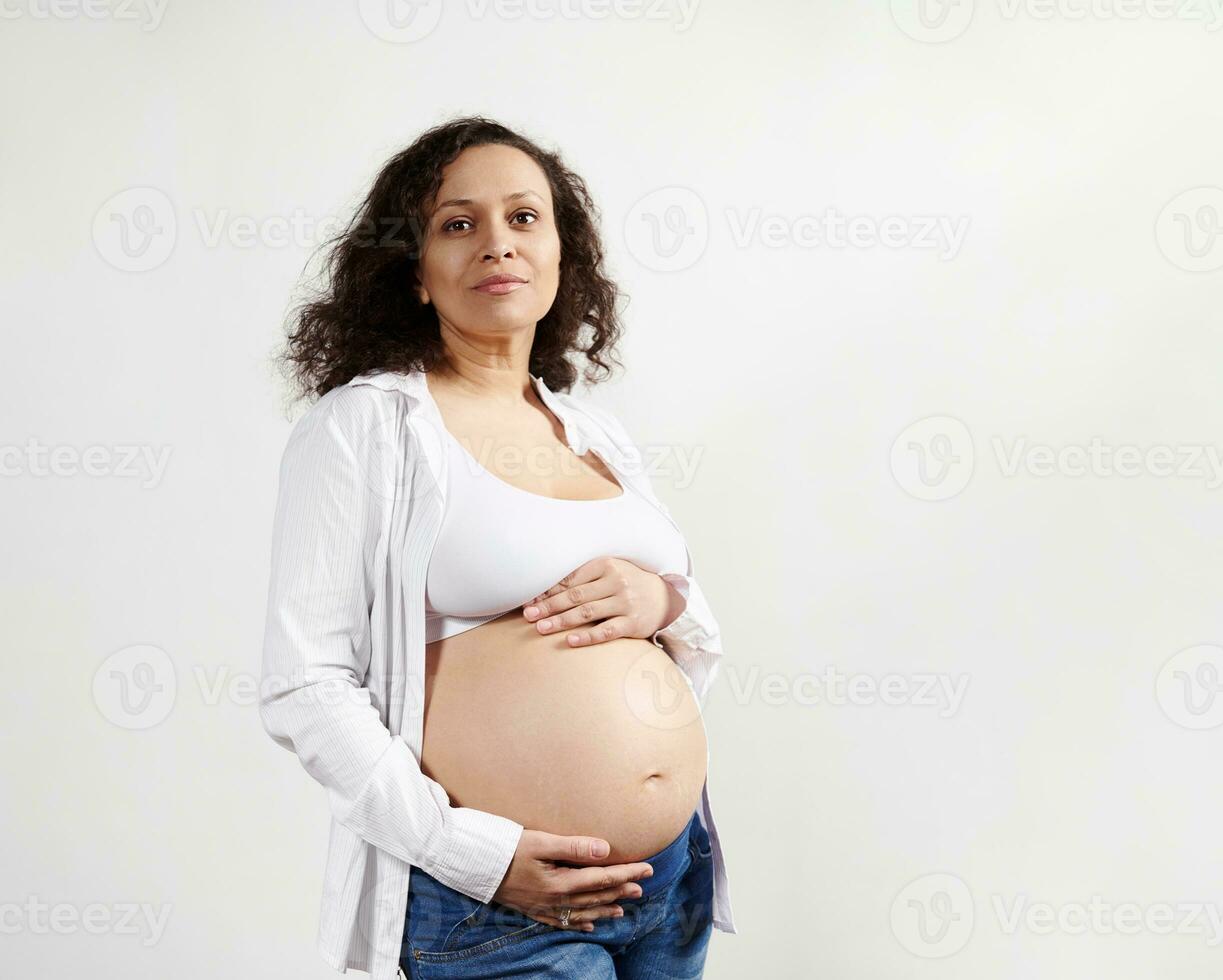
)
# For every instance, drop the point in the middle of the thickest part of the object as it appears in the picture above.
(360, 501)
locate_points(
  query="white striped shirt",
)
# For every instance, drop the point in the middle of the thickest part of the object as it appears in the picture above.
(359, 506)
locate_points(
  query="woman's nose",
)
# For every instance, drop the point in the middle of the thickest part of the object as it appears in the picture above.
(498, 250)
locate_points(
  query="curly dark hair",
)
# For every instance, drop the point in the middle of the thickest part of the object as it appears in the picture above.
(369, 317)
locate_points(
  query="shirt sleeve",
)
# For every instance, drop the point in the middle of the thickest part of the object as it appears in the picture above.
(692, 639)
(316, 651)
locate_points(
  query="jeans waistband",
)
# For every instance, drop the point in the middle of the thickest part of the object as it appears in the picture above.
(668, 862)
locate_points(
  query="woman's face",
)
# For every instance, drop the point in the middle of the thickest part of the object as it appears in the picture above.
(493, 215)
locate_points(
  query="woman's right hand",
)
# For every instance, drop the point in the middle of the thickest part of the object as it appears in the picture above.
(538, 885)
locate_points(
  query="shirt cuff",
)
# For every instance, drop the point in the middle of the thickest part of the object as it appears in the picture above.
(476, 853)
(685, 632)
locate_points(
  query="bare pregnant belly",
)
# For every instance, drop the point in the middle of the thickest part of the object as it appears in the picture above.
(604, 740)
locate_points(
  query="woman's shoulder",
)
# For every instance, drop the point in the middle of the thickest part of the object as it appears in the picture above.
(361, 412)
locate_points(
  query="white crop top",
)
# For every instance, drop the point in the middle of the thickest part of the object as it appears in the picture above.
(499, 545)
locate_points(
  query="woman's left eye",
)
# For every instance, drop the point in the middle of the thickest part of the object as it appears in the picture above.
(526, 214)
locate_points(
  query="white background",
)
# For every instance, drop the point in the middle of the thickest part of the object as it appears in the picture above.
(1079, 147)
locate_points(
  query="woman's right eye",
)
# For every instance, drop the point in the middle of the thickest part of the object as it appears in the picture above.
(457, 221)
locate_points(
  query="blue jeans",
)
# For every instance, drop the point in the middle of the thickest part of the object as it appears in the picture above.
(663, 934)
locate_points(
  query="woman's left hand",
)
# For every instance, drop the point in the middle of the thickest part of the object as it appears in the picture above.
(629, 600)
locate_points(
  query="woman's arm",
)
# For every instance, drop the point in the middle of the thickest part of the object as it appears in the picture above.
(317, 647)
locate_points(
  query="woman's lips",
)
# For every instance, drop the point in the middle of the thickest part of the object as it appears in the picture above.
(499, 288)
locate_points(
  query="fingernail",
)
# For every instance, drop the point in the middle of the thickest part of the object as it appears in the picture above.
(530, 610)
(649, 873)
(545, 624)
(598, 849)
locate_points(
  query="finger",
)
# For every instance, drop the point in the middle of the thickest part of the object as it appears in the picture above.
(536, 599)
(561, 586)
(574, 850)
(609, 629)
(544, 914)
(581, 881)
(590, 603)
(605, 896)
(586, 572)
(555, 600)
(582, 919)
(577, 863)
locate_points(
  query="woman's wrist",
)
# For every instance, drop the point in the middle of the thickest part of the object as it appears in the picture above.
(677, 602)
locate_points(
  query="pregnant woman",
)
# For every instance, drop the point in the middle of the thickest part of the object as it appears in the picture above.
(484, 637)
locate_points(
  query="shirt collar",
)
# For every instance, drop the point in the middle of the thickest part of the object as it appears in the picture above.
(575, 431)
(413, 385)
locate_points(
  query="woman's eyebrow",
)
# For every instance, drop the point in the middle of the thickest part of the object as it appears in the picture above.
(465, 201)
